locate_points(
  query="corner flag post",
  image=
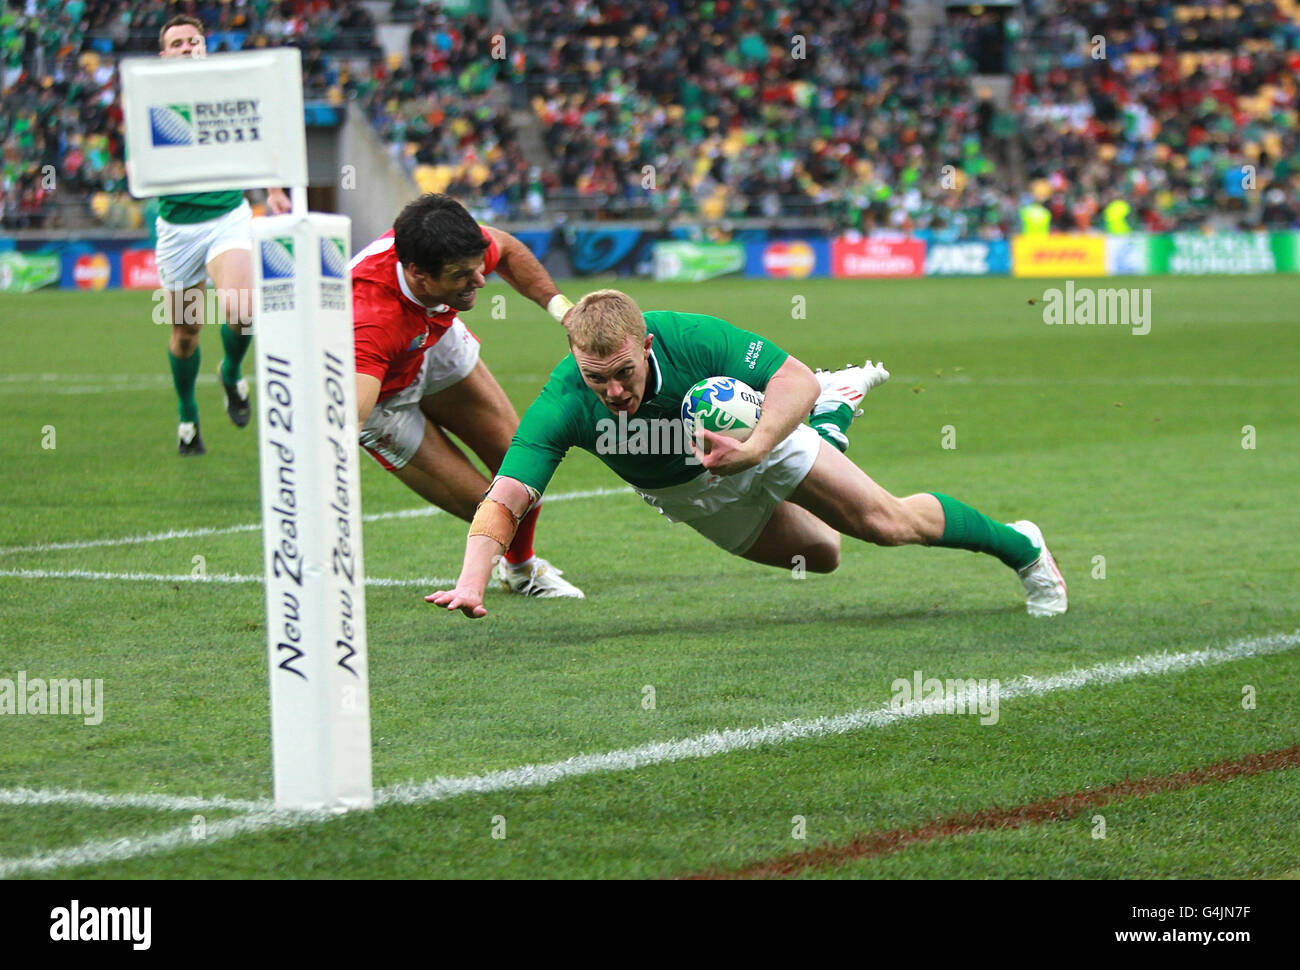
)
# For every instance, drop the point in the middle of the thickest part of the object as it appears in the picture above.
(196, 125)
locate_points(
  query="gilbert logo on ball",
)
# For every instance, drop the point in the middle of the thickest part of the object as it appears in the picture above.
(723, 405)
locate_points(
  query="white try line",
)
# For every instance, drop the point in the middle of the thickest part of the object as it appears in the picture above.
(423, 511)
(227, 578)
(661, 752)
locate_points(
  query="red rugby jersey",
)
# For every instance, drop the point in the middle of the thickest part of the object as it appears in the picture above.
(391, 329)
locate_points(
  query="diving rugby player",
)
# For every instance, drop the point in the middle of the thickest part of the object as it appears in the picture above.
(786, 491)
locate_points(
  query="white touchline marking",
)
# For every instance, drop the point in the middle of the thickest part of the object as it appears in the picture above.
(421, 512)
(116, 850)
(722, 742)
(191, 578)
(659, 752)
(158, 802)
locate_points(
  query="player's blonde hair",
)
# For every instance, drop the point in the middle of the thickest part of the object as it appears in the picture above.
(601, 322)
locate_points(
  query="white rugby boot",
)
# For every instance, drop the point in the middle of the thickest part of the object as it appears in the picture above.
(848, 386)
(537, 577)
(1045, 593)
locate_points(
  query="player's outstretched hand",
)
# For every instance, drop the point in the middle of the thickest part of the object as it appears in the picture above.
(722, 454)
(466, 600)
(278, 201)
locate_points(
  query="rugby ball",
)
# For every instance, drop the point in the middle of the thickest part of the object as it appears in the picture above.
(723, 405)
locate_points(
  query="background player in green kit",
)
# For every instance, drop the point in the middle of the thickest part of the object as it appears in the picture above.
(785, 492)
(202, 234)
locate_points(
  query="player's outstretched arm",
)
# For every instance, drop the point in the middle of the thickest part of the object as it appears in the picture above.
(787, 399)
(495, 521)
(520, 268)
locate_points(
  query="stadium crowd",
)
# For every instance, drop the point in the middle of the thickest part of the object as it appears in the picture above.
(1185, 110)
(60, 123)
(738, 108)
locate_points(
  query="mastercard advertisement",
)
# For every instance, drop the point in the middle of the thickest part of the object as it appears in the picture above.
(85, 269)
(788, 259)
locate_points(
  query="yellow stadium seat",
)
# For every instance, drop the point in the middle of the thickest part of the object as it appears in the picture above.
(432, 178)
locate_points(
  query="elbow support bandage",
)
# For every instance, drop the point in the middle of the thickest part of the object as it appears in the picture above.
(494, 520)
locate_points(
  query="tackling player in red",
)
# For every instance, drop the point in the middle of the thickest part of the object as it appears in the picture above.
(418, 370)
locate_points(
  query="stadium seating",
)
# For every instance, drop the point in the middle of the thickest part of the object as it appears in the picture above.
(812, 109)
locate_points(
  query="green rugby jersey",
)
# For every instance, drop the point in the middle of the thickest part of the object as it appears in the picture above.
(191, 207)
(687, 348)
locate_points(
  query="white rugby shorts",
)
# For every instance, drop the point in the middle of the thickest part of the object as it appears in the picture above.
(732, 510)
(395, 428)
(185, 249)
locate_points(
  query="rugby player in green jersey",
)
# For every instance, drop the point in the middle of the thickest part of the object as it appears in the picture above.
(201, 235)
(785, 492)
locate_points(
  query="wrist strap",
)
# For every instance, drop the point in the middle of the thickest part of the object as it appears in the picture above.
(559, 306)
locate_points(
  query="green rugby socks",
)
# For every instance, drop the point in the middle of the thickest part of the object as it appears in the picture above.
(185, 370)
(832, 424)
(967, 528)
(236, 345)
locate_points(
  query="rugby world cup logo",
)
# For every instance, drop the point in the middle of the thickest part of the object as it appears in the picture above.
(701, 407)
(333, 262)
(277, 258)
(171, 124)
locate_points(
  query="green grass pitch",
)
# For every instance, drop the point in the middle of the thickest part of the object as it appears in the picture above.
(1130, 452)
